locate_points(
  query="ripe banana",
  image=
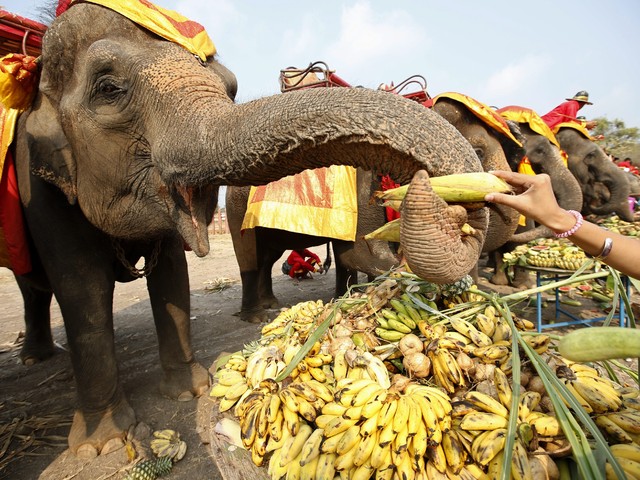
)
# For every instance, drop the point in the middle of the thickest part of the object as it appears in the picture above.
(487, 445)
(486, 403)
(483, 421)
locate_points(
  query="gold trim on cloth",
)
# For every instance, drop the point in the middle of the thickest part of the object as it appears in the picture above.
(165, 23)
(526, 115)
(482, 111)
(320, 202)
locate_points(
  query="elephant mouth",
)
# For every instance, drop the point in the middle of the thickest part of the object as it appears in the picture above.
(193, 212)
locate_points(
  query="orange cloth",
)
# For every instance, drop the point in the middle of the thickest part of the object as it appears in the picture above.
(321, 202)
(482, 111)
(165, 23)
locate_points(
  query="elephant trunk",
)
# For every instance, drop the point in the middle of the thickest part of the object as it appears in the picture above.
(266, 139)
(431, 234)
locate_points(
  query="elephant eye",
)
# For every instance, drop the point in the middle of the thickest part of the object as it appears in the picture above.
(479, 153)
(108, 89)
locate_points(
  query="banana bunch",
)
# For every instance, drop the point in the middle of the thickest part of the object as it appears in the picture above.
(167, 443)
(596, 394)
(620, 427)
(616, 224)
(229, 387)
(445, 368)
(571, 258)
(299, 318)
(236, 361)
(360, 366)
(265, 362)
(312, 366)
(628, 457)
(400, 318)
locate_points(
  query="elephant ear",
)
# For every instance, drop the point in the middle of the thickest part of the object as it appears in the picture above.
(50, 155)
(513, 151)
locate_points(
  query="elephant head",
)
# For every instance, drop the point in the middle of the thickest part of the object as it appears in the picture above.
(544, 156)
(496, 147)
(139, 132)
(605, 188)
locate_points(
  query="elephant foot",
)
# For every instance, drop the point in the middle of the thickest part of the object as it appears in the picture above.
(94, 434)
(269, 302)
(185, 383)
(254, 316)
(36, 352)
(499, 278)
(523, 280)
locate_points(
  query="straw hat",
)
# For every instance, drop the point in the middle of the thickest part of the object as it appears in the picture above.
(581, 96)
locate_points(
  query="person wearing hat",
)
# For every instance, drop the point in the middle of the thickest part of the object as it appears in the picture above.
(568, 111)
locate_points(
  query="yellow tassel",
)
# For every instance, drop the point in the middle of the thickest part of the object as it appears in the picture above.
(18, 80)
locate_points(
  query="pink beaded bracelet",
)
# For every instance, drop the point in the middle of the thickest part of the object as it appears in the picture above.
(575, 228)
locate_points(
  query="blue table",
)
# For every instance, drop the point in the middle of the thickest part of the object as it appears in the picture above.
(543, 275)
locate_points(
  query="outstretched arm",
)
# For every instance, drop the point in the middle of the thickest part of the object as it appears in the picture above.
(535, 200)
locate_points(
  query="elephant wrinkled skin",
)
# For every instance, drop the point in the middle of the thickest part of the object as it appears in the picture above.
(120, 157)
(258, 249)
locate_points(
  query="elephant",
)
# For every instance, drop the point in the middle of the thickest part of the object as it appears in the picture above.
(257, 249)
(544, 156)
(120, 157)
(605, 188)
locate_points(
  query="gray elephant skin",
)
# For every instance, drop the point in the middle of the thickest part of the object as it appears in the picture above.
(605, 187)
(544, 157)
(259, 248)
(120, 157)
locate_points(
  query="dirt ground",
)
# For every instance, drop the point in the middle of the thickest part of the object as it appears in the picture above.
(36, 403)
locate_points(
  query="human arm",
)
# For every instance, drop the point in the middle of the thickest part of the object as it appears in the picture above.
(535, 200)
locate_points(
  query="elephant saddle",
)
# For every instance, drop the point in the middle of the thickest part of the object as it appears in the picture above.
(14, 252)
(320, 202)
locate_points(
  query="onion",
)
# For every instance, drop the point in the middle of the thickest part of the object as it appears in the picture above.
(409, 344)
(417, 365)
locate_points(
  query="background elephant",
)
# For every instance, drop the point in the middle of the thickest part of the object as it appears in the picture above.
(257, 249)
(544, 156)
(120, 157)
(605, 188)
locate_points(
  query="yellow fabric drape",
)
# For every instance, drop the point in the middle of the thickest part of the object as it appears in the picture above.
(8, 119)
(320, 202)
(482, 111)
(526, 115)
(577, 126)
(165, 23)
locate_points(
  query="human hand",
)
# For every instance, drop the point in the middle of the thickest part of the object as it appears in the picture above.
(534, 199)
(591, 124)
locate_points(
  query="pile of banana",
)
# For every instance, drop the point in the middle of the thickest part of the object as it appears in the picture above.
(547, 253)
(168, 448)
(400, 387)
(616, 224)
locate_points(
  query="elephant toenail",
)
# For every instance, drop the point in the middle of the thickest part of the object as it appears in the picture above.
(86, 452)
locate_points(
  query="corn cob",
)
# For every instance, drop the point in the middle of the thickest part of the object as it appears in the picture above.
(458, 187)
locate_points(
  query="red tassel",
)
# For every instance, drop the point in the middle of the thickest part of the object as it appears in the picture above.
(62, 7)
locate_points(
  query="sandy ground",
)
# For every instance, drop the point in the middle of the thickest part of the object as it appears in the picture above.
(36, 403)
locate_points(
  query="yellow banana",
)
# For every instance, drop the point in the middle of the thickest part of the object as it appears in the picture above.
(381, 456)
(483, 421)
(385, 417)
(415, 416)
(404, 467)
(420, 441)
(596, 397)
(545, 425)
(502, 386)
(486, 403)
(582, 401)
(402, 414)
(348, 439)
(628, 420)
(429, 418)
(308, 469)
(294, 444)
(311, 448)
(340, 365)
(337, 425)
(468, 330)
(626, 450)
(611, 430)
(307, 410)
(229, 377)
(345, 461)
(437, 457)
(520, 468)
(367, 393)
(502, 332)
(326, 466)
(529, 400)
(375, 404)
(454, 451)
(362, 472)
(321, 390)
(377, 369)
(333, 408)
(292, 420)
(485, 324)
(494, 469)
(364, 448)
(487, 445)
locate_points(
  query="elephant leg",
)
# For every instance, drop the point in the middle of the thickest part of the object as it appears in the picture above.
(522, 278)
(267, 257)
(345, 276)
(168, 285)
(38, 341)
(499, 276)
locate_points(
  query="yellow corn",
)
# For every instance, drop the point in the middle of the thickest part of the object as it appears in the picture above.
(458, 187)
(389, 232)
